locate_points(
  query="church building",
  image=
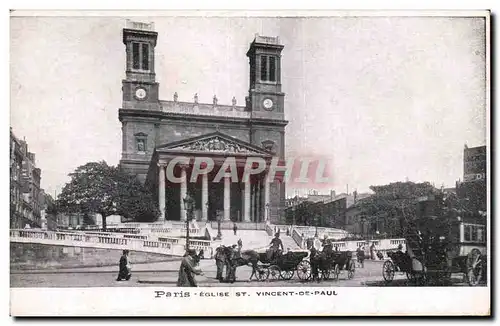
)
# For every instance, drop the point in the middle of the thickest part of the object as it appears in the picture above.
(155, 132)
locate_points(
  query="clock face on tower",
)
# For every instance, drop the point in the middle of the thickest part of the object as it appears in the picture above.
(140, 93)
(268, 104)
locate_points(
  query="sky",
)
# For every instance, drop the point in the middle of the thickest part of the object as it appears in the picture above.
(384, 98)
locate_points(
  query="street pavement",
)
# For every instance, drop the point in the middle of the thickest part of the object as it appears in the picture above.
(164, 274)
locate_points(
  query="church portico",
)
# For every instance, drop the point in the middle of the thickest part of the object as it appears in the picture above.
(223, 175)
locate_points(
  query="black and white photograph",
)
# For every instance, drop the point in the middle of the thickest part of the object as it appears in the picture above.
(255, 156)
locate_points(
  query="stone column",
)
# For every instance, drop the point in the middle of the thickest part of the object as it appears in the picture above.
(253, 202)
(227, 197)
(161, 192)
(204, 198)
(267, 204)
(183, 192)
(258, 201)
(246, 202)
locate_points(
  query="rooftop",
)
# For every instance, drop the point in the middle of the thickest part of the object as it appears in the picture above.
(207, 109)
(267, 39)
(140, 25)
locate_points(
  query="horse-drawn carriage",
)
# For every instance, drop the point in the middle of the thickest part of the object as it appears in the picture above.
(436, 248)
(266, 265)
(328, 263)
(284, 265)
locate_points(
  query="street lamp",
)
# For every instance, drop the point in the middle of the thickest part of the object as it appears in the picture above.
(219, 233)
(188, 206)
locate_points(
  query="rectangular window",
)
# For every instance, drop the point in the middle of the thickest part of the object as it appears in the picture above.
(145, 56)
(136, 56)
(263, 67)
(268, 68)
(474, 233)
(480, 234)
(272, 69)
(467, 230)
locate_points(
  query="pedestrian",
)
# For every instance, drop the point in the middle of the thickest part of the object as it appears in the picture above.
(220, 261)
(240, 244)
(372, 251)
(235, 228)
(360, 253)
(231, 265)
(188, 270)
(124, 267)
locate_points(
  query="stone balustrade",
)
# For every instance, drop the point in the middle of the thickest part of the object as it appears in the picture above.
(167, 246)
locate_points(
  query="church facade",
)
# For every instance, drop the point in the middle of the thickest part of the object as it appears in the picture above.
(157, 132)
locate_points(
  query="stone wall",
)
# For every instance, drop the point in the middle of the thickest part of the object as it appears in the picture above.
(27, 256)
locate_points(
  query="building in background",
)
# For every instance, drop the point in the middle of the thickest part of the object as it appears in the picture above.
(25, 177)
(321, 210)
(473, 188)
(47, 212)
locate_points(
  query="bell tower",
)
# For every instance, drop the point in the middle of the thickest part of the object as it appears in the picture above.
(265, 99)
(140, 89)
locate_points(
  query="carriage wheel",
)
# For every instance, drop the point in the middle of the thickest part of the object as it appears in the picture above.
(304, 270)
(352, 270)
(336, 272)
(410, 276)
(262, 273)
(474, 267)
(287, 275)
(274, 272)
(388, 271)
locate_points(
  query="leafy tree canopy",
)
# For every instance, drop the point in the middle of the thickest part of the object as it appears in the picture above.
(97, 187)
(395, 204)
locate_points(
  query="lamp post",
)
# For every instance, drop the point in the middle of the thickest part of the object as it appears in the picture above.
(219, 233)
(188, 206)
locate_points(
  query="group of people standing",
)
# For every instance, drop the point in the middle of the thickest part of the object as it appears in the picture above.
(373, 254)
(225, 258)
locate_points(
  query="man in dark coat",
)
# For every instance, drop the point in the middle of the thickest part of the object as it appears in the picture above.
(124, 272)
(220, 261)
(188, 269)
(235, 228)
(314, 260)
(276, 247)
(360, 253)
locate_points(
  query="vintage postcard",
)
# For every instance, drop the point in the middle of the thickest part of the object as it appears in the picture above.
(250, 163)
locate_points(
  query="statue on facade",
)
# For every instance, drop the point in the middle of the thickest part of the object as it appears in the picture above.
(196, 98)
(175, 97)
(233, 101)
(215, 100)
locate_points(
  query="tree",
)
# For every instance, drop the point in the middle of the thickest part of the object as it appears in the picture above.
(99, 188)
(394, 204)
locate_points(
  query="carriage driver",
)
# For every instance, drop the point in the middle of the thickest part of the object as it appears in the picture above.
(275, 244)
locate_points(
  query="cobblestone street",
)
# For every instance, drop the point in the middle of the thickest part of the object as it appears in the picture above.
(165, 274)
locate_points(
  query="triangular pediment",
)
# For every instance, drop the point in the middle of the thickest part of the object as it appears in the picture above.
(216, 143)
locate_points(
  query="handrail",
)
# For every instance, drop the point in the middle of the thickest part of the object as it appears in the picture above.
(171, 246)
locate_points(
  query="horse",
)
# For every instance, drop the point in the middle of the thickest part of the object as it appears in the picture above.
(245, 258)
(326, 260)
